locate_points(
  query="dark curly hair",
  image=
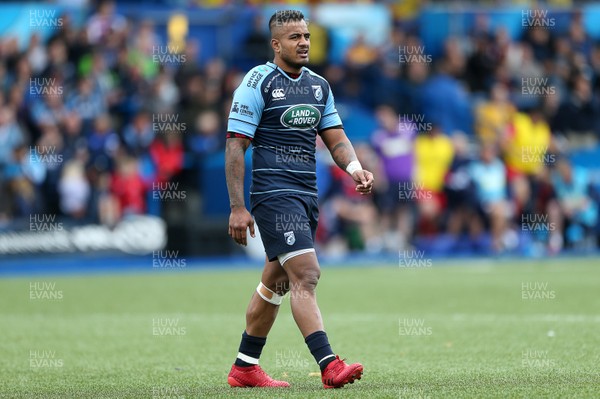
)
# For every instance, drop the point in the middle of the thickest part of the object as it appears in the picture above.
(282, 17)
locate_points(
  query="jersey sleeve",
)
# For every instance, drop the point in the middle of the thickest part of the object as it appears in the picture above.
(246, 108)
(330, 116)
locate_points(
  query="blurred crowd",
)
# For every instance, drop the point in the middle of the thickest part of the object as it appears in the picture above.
(472, 145)
(96, 120)
(475, 146)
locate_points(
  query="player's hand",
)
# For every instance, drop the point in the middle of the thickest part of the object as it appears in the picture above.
(239, 221)
(364, 181)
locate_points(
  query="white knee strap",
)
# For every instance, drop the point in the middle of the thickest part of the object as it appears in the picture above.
(268, 295)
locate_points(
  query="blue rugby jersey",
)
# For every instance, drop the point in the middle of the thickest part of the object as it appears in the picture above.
(282, 116)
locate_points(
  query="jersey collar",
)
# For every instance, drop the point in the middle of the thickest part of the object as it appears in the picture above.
(274, 66)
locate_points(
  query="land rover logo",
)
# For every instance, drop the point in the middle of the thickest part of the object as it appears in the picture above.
(301, 117)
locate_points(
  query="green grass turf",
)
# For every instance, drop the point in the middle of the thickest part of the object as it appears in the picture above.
(478, 337)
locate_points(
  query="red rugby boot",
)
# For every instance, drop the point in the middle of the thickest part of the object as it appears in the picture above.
(252, 376)
(338, 373)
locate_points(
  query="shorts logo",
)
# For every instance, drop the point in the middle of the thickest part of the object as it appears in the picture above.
(290, 238)
(318, 92)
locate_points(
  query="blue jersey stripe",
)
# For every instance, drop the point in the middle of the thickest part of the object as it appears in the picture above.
(284, 189)
(239, 120)
(283, 170)
(276, 148)
(287, 106)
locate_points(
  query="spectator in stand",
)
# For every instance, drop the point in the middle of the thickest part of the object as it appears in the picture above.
(104, 22)
(459, 189)
(579, 40)
(103, 143)
(146, 40)
(96, 69)
(444, 98)
(393, 143)
(74, 190)
(256, 48)
(481, 64)
(139, 134)
(164, 94)
(579, 116)
(351, 219)
(573, 211)
(526, 146)
(49, 109)
(387, 86)
(74, 141)
(11, 136)
(210, 97)
(206, 139)
(320, 45)
(104, 206)
(128, 187)
(489, 176)
(50, 151)
(539, 38)
(167, 154)
(86, 102)
(31, 165)
(494, 116)
(360, 54)
(59, 66)
(22, 197)
(433, 156)
(25, 176)
(359, 60)
(37, 55)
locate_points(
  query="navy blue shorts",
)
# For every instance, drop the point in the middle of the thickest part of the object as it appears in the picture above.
(286, 223)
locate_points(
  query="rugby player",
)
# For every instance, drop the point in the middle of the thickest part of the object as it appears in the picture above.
(279, 108)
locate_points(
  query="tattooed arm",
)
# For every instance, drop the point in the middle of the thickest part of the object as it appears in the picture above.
(239, 219)
(343, 154)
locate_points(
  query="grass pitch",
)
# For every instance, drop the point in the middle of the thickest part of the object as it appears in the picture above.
(483, 330)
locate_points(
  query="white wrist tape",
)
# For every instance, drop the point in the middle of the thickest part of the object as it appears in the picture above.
(353, 167)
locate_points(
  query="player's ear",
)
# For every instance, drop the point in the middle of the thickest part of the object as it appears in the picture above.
(275, 45)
